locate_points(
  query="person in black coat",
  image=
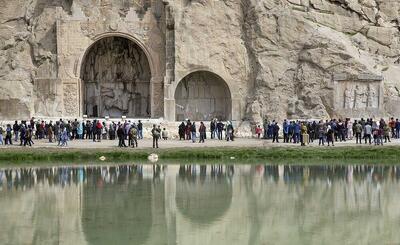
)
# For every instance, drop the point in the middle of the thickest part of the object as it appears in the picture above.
(121, 136)
(181, 131)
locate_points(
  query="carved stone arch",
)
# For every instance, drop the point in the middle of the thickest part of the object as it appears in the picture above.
(116, 72)
(153, 68)
(201, 96)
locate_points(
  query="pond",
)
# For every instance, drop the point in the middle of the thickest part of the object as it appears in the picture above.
(200, 204)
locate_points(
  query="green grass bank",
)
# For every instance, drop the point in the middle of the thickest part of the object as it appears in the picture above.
(289, 155)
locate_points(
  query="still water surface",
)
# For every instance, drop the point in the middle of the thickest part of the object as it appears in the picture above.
(192, 204)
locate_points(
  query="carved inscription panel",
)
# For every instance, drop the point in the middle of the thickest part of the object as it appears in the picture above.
(358, 98)
(360, 95)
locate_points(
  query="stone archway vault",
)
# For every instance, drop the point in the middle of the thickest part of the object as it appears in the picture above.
(202, 96)
(116, 76)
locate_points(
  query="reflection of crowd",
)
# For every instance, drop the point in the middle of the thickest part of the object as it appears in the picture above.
(215, 171)
(25, 178)
(296, 174)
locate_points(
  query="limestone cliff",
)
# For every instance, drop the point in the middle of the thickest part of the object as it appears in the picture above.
(283, 54)
(278, 57)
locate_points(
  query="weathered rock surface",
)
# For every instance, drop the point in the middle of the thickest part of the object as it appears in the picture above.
(278, 57)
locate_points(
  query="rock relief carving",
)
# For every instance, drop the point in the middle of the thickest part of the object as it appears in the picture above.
(71, 105)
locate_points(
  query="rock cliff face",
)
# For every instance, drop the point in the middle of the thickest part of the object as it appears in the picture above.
(282, 55)
(27, 50)
(279, 58)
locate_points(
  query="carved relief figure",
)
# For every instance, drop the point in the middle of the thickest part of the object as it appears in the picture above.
(114, 97)
(348, 98)
(373, 98)
(71, 106)
(360, 98)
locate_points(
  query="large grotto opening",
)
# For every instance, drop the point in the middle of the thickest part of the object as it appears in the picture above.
(116, 79)
(203, 96)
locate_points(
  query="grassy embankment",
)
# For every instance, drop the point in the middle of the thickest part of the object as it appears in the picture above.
(290, 155)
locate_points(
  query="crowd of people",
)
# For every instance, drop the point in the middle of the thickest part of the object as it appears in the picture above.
(187, 131)
(62, 131)
(367, 131)
(128, 133)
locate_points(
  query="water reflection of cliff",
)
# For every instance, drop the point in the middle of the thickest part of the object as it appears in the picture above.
(192, 204)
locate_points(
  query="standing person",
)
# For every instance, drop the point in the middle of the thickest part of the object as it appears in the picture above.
(202, 132)
(42, 129)
(156, 135)
(140, 129)
(1, 135)
(386, 132)
(330, 136)
(94, 130)
(164, 134)
(188, 130)
(16, 129)
(130, 136)
(342, 131)
(349, 130)
(304, 134)
(270, 130)
(213, 126)
(275, 133)
(392, 127)
(83, 130)
(104, 131)
(88, 129)
(99, 130)
(321, 132)
(193, 132)
(181, 131)
(8, 135)
(75, 129)
(64, 137)
(220, 128)
(68, 126)
(229, 131)
(79, 130)
(60, 132)
(310, 131)
(265, 126)
(357, 128)
(397, 128)
(133, 134)
(285, 128)
(380, 133)
(112, 131)
(375, 133)
(296, 132)
(50, 132)
(56, 130)
(121, 136)
(28, 137)
(37, 126)
(367, 132)
(258, 131)
(22, 132)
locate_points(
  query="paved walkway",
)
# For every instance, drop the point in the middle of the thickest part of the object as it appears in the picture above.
(147, 143)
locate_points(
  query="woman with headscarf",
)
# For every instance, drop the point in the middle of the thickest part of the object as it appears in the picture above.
(330, 135)
(79, 130)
